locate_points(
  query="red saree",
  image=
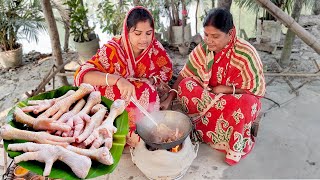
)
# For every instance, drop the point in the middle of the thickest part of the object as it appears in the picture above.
(116, 57)
(223, 120)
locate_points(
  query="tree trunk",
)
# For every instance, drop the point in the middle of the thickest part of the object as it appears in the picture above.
(183, 20)
(54, 37)
(136, 2)
(66, 38)
(290, 23)
(64, 14)
(286, 51)
(197, 7)
(316, 7)
(225, 4)
(175, 13)
(213, 3)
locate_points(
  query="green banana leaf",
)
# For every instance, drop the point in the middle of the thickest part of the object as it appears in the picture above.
(59, 169)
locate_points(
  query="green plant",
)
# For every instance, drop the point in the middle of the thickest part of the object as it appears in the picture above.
(111, 15)
(79, 27)
(19, 19)
(285, 5)
(155, 8)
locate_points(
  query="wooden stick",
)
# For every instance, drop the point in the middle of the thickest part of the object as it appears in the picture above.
(292, 74)
(65, 74)
(47, 79)
(290, 23)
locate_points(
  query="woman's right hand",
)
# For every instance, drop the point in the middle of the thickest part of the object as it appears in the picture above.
(164, 105)
(126, 88)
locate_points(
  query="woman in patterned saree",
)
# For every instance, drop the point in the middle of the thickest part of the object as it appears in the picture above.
(131, 65)
(220, 87)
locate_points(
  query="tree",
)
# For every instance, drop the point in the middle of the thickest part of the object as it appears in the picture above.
(64, 14)
(290, 23)
(316, 7)
(286, 52)
(54, 37)
(225, 4)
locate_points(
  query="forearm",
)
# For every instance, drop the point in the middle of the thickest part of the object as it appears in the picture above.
(173, 94)
(97, 78)
(227, 90)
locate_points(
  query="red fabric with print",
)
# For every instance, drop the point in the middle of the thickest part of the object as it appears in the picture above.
(116, 57)
(223, 120)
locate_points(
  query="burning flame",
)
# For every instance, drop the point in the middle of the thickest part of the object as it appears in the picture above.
(175, 149)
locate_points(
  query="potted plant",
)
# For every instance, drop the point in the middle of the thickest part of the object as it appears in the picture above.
(18, 19)
(85, 40)
(179, 32)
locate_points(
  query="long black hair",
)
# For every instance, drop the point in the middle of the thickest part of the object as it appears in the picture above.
(139, 15)
(219, 18)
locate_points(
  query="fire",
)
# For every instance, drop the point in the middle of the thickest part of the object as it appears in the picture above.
(176, 148)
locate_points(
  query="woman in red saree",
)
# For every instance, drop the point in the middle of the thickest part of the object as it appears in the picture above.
(131, 65)
(220, 87)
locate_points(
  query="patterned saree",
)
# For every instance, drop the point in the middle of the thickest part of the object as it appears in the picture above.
(116, 57)
(223, 120)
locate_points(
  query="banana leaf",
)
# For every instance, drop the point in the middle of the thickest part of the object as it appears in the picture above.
(59, 169)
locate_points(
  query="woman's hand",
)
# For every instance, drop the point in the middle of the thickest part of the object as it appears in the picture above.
(164, 105)
(126, 89)
(146, 80)
(222, 89)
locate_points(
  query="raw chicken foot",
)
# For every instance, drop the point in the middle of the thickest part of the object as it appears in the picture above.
(63, 105)
(8, 132)
(38, 106)
(102, 154)
(79, 120)
(68, 115)
(48, 154)
(95, 121)
(104, 133)
(40, 123)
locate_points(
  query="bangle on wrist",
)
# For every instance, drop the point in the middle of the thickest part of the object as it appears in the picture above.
(234, 89)
(107, 79)
(117, 80)
(173, 90)
(155, 80)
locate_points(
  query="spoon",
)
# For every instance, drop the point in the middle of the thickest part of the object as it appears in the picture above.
(143, 110)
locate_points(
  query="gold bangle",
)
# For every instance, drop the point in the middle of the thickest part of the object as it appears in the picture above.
(173, 90)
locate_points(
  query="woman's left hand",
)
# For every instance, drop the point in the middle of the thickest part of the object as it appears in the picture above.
(222, 89)
(146, 80)
(165, 104)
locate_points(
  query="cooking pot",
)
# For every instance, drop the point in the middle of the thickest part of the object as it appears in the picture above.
(172, 119)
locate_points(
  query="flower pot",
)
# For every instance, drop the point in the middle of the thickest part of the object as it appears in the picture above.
(11, 58)
(176, 38)
(87, 49)
(184, 48)
(268, 31)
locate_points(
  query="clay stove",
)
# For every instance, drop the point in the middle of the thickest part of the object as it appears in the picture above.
(164, 164)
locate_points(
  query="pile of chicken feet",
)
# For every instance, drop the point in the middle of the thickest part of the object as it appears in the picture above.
(68, 128)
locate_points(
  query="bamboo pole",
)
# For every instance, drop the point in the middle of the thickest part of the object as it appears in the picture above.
(290, 23)
(292, 74)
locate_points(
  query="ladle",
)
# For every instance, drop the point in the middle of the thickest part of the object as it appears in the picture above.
(143, 110)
